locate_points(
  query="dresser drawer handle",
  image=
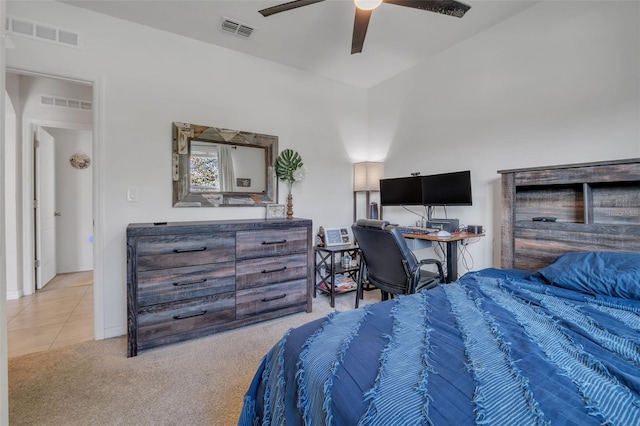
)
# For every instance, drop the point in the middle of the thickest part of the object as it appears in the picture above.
(268, 271)
(204, 280)
(266, 243)
(189, 250)
(269, 299)
(185, 316)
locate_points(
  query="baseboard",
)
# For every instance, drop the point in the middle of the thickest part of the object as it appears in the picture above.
(75, 270)
(115, 332)
(13, 295)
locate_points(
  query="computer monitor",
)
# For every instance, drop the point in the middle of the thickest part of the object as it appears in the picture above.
(447, 189)
(403, 191)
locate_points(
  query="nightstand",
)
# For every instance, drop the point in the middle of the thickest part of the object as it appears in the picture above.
(331, 277)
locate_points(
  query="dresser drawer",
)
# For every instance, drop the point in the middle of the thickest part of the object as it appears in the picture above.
(170, 285)
(157, 322)
(270, 298)
(271, 242)
(172, 251)
(267, 270)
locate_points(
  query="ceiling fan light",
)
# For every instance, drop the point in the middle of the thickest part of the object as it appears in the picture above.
(367, 4)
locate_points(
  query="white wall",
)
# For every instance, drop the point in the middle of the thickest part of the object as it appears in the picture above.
(74, 226)
(11, 240)
(558, 83)
(147, 79)
(13, 157)
(4, 374)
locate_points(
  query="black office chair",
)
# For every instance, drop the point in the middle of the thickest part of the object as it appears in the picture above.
(390, 264)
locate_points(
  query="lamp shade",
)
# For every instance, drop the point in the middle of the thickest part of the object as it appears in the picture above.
(367, 175)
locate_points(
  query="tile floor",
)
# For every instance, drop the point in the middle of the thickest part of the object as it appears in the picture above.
(58, 315)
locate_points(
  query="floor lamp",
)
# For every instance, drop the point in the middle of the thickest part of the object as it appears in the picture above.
(366, 178)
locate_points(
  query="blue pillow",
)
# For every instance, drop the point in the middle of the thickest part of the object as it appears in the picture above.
(609, 273)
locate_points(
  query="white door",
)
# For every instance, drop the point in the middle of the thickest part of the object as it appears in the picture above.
(45, 196)
(74, 202)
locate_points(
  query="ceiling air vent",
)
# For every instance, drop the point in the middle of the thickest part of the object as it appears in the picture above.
(234, 27)
(33, 30)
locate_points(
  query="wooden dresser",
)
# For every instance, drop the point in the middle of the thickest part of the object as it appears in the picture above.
(597, 206)
(191, 279)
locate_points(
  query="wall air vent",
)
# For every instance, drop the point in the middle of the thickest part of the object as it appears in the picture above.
(58, 101)
(36, 31)
(232, 26)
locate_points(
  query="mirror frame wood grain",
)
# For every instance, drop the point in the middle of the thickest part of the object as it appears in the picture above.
(182, 134)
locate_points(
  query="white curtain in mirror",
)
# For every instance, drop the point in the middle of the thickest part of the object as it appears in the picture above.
(227, 176)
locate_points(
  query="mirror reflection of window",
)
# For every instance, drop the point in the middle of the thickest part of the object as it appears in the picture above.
(205, 170)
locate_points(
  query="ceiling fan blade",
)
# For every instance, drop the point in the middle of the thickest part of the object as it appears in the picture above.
(360, 26)
(287, 6)
(445, 7)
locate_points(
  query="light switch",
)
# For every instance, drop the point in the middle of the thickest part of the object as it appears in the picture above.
(132, 193)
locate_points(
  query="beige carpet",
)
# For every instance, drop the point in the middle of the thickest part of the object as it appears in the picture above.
(201, 382)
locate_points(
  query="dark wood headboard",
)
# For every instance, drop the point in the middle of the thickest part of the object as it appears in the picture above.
(596, 207)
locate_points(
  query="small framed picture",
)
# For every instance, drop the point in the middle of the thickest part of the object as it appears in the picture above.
(275, 211)
(243, 182)
(337, 236)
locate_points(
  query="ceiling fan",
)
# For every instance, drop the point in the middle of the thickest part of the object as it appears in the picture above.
(365, 7)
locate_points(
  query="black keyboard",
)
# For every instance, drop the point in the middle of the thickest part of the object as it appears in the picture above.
(413, 230)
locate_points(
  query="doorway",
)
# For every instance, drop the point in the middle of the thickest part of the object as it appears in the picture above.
(63, 208)
(62, 122)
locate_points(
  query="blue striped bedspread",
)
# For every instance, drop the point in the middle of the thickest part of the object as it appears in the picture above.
(490, 349)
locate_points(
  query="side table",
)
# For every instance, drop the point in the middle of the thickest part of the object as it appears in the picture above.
(328, 264)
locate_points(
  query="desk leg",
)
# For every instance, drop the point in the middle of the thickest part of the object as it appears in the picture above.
(316, 272)
(359, 288)
(452, 261)
(332, 287)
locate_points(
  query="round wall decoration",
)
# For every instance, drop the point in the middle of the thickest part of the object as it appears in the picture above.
(80, 160)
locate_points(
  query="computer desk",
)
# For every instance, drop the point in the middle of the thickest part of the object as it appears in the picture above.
(452, 249)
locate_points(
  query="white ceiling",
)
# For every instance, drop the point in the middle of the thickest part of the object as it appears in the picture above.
(317, 38)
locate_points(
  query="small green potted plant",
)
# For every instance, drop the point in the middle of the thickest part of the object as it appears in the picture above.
(289, 168)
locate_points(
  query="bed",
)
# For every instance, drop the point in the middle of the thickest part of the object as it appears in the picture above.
(557, 346)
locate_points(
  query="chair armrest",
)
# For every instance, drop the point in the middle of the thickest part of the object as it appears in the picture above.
(433, 262)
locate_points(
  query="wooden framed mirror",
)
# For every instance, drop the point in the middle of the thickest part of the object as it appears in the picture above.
(216, 167)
